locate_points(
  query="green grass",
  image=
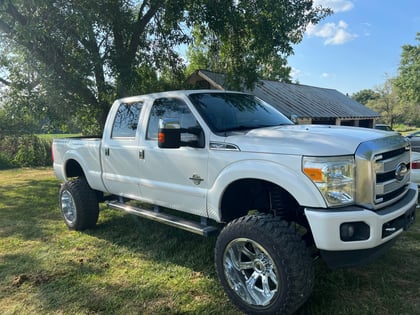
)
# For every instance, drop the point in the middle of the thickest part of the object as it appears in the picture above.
(128, 265)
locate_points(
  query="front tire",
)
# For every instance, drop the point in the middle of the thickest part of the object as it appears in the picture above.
(78, 204)
(263, 265)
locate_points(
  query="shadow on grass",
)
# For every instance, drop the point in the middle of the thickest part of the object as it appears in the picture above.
(24, 208)
(157, 241)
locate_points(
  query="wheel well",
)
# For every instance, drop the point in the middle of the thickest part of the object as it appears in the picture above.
(245, 195)
(73, 169)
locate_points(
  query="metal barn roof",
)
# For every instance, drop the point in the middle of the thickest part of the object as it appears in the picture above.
(301, 100)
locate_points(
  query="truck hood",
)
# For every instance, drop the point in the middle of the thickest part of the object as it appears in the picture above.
(315, 140)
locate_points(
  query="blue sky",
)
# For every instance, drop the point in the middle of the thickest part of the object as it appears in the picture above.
(358, 46)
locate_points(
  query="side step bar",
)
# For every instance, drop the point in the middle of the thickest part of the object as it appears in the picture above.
(181, 223)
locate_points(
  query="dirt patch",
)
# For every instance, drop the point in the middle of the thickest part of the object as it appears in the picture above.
(37, 279)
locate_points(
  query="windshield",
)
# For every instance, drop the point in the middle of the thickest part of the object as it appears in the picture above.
(224, 112)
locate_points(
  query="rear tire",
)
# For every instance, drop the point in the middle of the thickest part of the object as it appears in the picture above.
(78, 204)
(264, 265)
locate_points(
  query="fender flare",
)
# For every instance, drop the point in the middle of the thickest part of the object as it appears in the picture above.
(295, 183)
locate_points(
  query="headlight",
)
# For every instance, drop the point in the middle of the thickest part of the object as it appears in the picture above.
(334, 177)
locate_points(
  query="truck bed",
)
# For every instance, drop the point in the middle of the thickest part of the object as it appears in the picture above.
(86, 151)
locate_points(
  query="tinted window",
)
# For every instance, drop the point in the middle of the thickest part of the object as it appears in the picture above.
(126, 120)
(171, 108)
(225, 112)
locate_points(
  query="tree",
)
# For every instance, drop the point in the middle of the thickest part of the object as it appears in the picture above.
(15, 113)
(89, 52)
(387, 103)
(364, 96)
(252, 39)
(408, 82)
(205, 53)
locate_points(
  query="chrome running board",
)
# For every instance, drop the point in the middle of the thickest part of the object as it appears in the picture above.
(165, 218)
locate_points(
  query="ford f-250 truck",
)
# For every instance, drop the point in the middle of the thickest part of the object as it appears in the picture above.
(285, 192)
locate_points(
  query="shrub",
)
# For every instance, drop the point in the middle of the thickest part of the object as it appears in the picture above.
(24, 151)
(6, 162)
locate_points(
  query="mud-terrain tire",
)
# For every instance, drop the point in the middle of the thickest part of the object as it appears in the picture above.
(78, 204)
(264, 265)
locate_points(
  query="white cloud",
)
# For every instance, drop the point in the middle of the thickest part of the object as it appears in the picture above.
(335, 5)
(294, 73)
(327, 75)
(334, 34)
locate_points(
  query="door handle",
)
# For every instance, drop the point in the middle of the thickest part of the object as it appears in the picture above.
(141, 154)
(107, 151)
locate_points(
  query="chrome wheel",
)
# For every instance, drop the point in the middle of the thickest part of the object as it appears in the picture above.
(263, 265)
(68, 207)
(250, 271)
(78, 204)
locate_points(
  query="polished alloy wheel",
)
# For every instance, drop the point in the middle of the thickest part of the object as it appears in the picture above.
(68, 206)
(250, 271)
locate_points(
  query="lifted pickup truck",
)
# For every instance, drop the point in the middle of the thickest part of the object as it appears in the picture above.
(286, 193)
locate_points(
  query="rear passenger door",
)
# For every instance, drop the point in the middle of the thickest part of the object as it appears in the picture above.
(120, 154)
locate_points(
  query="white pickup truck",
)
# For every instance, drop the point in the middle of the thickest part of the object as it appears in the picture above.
(286, 193)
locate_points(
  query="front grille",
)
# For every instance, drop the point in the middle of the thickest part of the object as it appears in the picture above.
(382, 171)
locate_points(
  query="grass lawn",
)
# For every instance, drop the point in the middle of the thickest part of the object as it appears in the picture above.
(128, 265)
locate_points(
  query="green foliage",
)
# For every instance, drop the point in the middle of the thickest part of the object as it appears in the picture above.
(398, 99)
(66, 56)
(24, 151)
(408, 80)
(387, 103)
(11, 124)
(6, 162)
(364, 96)
(248, 40)
(33, 151)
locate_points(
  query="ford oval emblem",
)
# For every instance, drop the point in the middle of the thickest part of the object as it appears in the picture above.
(401, 171)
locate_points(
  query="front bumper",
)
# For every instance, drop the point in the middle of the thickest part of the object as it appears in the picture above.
(383, 225)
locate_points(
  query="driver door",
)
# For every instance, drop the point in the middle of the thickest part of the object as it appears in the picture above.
(174, 178)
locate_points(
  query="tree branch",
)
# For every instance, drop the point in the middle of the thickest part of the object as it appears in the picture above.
(11, 9)
(141, 23)
(5, 82)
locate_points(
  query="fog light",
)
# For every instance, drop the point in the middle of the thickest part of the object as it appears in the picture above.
(354, 231)
(347, 231)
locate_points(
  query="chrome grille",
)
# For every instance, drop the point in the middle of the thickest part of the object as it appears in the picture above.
(381, 177)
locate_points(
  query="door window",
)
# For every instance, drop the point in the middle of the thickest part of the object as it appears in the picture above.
(126, 120)
(172, 108)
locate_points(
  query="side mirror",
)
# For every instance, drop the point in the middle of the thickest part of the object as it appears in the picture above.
(169, 134)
